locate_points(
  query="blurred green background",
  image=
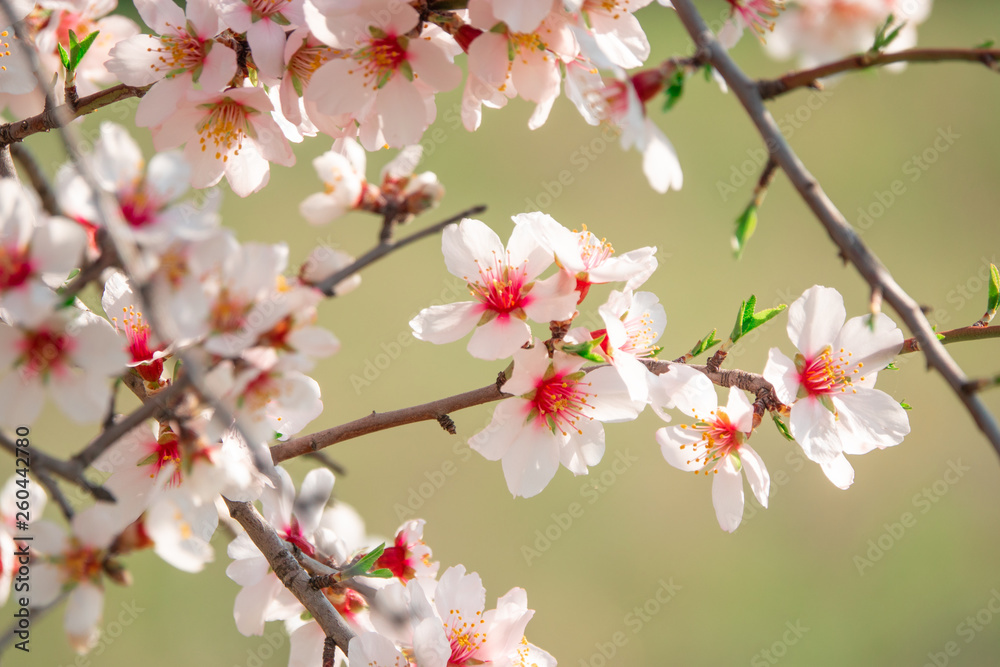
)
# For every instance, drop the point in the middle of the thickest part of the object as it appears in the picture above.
(644, 575)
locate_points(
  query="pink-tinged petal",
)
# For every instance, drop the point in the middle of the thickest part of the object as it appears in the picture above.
(675, 445)
(739, 410)
(402, 111)
(57, 247)
(82, 397)
(610, 400)
(621, 38)
(815, 429)
(529, 367)
(757, 475)
(49, 538)
(167, 176)
(47, 583)
(21, 400)
(247, 174)
(531, 461)
(250, 607)
(218, 68)
(685, 389)
(524, 249)
(659, 161)
(522, 15)
(554, 298)
(204, 17)
(508, 419)
(338, 87)
(313, 496)
(267, 41)
(469, 245)
(871, 348)
(499, 338)
(727, 495)
(118, 162)
(635, 267)
(584, 449)
(430, 645)
(84, 608)
(636, 377)
(306, 648)
(446, 323)
(158, 106)
(432, 66)
(271, 141)
(536, 76)
(181, 530)
(371, 648)
(780, 371)
(815, 319)
(870, 419)
(135, 61)
(839, 471)
(488, 58)
(166, 18)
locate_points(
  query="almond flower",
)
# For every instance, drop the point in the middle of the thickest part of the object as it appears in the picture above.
(554, 418)
(830, 384)
(229, 134)
(716, 444)
(503, 282)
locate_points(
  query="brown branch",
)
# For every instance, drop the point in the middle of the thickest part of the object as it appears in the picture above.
(380, 421)
(771, 88)
(840, 231)
(37, 177)
(290, 573)
(955, 336)
(329, 284)
(57, 117)
(67, 470)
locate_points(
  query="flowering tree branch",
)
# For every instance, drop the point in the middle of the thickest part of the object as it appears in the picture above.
(809, 78)
(67, 470)
(291, 574)
(329, 284)
(955, 336)
(840, 231)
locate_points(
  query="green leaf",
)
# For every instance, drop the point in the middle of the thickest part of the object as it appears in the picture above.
(884, 37)
(80, 49)
(63, 56)
(745, 226)
(782, 427)
(892, 366)
(994, 295)
(747, 320)
(705, 343)
(988, 44)
(589, 350)
(73, 41)
(905, 405)
(674, 90)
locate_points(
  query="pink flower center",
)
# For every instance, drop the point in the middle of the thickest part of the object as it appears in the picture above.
(593, 251)
(166, 451)
(380, 59)
(138, 208)
(559, 401)
(719, 438)
(752, 13)
(501, 288)
(293, 535)
(265, 8)
(308, 59)
(180, 52)
(82, 563)
(43, 351)
(641, 336)
(466, 638)
(825, 374)
(138, 334)
(224, 128)
(14, 267)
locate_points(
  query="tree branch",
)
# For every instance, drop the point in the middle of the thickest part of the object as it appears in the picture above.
(955, 336)
(771, 88)
(850, 245)
(67, 470)
(329, 284)
(290, 573)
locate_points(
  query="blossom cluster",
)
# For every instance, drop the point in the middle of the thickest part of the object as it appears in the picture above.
(558, 406)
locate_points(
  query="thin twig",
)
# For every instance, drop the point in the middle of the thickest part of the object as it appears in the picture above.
(955, 336)
(329, 284)
(845, 238)
(37, 178)
(54, 492)
(67, 470)
(290, 573)
(771, 88)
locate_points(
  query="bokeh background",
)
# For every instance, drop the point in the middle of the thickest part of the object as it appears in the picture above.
(643, 575)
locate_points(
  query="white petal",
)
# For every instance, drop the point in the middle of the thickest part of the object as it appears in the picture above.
(815, 319)
(727, 495)
(446, 323)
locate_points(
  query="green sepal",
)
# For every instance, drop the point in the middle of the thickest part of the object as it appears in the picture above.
(745, 226)
(905, 405)
(252, 75)
(146, 461)
(177, 369)
(589, 350)
(376, 32)
(406, 70)
(747, 320)
(674, 89)
(280, 19)
(705, 343)
(297, 85)
(738, 463)
(782, 427)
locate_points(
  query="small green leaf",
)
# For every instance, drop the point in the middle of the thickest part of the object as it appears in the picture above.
(745, 226)
(747, 320)
(63, 56)
(361, 567)
(883, 36)
(892, 366)
(782, 427)
(589, 350)
(381, 573)
(705, 343)
(252, 75)
(994, 298)
(80, 49)
(73, 41)
(674, 90)
(905, 405)
(988, 44)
